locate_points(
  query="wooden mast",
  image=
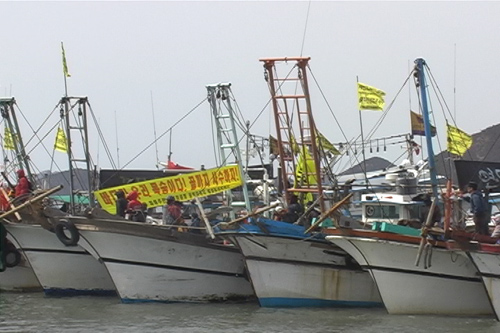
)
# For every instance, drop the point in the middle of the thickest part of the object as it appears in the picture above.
(284, 104)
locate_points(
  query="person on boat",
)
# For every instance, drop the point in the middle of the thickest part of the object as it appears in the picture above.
(436, 215)
(478, 209)
(121, 203)
(496, 231)
(172, 213)
(294, 210)
(279, 213)
(134, 207)
(195, 223)
(23, 185)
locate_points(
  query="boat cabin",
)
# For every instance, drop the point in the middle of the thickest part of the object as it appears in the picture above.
(389, 207)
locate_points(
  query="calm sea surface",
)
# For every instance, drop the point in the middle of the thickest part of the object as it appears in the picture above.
(34, 312)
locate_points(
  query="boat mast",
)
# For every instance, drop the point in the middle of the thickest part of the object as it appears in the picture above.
(66, 110)
(283, 107)
(219, 97)
(9, 114)
(419, 68)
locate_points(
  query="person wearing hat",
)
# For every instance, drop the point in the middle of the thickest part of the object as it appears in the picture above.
(172, 213)
(121, 203)
(478, 209)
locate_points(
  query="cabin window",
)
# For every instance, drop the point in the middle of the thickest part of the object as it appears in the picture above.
(413, 212)
(382, 212)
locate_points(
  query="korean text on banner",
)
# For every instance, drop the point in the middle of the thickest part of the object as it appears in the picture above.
(458, 141)
(370, 98)
(182, 187)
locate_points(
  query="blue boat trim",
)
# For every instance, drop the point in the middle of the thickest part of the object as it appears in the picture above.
(60, 292)
(287, 302)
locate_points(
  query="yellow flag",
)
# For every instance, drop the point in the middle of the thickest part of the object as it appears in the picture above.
(326, 145)
(273, 145)
(305, 168)
(65, 65)
(370, 98)
(61, 142)
(458, 140)
(8, 139)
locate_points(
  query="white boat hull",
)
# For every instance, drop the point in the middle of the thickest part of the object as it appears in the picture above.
(288, 272)
(450, 286)
(20, 278)
(488, 265)
(166, 270)
(61, 270)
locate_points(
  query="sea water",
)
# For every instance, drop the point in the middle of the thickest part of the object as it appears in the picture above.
(34, 312)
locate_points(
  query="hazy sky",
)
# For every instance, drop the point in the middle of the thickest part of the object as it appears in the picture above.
(122, 53)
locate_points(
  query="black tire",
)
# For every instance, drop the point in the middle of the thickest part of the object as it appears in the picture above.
(61, 234)
(12, 258)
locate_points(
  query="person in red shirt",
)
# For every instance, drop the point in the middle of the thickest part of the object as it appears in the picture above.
(172, 212)
(23, 185)
(135, 208)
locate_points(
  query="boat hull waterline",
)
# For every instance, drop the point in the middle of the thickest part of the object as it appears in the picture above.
(288, 272)
(147, 267)
(61, 270)
(450, 286)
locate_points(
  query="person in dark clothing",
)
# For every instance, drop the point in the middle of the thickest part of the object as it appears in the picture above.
(436, 216)
(294, 211)
(195, 222)
(121, 203)
(478, 209)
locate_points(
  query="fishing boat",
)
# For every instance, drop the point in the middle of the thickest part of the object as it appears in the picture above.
(150, 262)
(288, 266)
(59, 269)
(429, 273)
(160, 262)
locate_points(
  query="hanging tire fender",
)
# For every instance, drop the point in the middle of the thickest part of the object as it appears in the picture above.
(60, 230)
(12, 258)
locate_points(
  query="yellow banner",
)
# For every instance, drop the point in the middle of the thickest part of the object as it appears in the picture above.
(61, 142)
(370, 98)
(8, 140)
(458, 141)
(182, 187)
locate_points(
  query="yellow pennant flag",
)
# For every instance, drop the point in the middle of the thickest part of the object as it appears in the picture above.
(370, 98)
(61, 142)
(324, 144)
(458, 141)
(65, 65)
(8, 139)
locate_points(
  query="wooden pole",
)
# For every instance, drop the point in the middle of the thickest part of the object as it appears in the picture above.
(205, 219)
(256, 212)
(18, 216)
(310, 208)
(427, 225)
(447, 207)
(330, 212)
(31, 201)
